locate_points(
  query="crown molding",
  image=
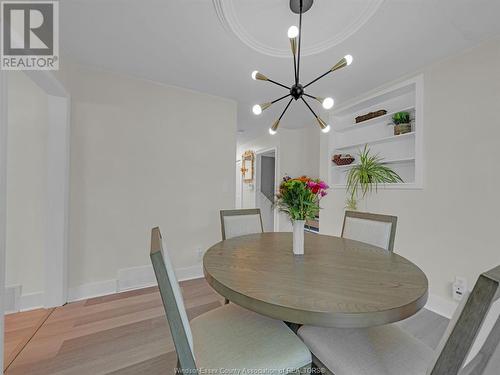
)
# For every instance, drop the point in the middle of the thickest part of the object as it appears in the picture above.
(228, 17)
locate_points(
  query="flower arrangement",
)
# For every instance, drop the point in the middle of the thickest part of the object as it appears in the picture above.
(299, 197)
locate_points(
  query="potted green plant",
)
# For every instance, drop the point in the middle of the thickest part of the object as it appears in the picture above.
(366, 175)
(402, 123)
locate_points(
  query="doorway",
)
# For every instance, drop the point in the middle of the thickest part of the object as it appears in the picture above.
(265, 188)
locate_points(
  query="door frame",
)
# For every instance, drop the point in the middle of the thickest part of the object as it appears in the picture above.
(239, 186)
(57, 198)
(276, 178)
(58, 156)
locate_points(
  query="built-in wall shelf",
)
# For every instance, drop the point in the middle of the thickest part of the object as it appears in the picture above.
(375, 141)
(402, 152)
(387, 119)
(392, 161)
(399, 185)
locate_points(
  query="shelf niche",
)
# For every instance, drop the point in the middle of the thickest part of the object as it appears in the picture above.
(403, 153)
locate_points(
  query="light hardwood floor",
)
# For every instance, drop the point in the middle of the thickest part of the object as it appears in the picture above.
(19, 329)
(124, 333)
(127, 334)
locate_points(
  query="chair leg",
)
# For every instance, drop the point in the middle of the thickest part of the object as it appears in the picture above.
(226, 301)
(293, 326)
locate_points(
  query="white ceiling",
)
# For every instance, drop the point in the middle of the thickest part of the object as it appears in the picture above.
(213, 45)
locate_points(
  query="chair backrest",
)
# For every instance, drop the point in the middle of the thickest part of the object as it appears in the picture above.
(236, 223)
(374, 229)
(467, 326)
(173, 303)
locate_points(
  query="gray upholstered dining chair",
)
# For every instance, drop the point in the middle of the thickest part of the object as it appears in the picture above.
(228, 337)
(389, 350)
(239, 222)
(234, 223)
(374, 229)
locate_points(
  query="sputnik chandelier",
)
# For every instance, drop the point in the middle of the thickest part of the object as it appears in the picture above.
(297, 90)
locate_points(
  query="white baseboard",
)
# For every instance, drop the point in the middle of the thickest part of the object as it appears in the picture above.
(31, 301)
(90, 290)
(12, 298)
(135, 278)
(441, 306)
(16, 301)
(189, 273)
(143, 277)
(129, 279)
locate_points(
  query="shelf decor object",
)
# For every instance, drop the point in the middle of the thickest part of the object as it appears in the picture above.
(297, 90)
(299, 199)
(366, 176)
(341, 159)
(370, 115)
(402, 123)
(247, 166)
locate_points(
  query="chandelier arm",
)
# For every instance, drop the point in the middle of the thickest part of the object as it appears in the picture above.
(297, 74)
(282, 113)
(316, 79)
(277, 100)
(308, 106)
(279, 84)
(310, 96)
(295, 67)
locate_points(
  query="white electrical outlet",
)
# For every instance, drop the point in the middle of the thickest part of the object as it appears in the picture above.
(459, 287)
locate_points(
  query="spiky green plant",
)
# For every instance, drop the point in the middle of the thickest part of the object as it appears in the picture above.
(366, 175)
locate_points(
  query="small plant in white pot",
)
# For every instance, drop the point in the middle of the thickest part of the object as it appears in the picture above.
(366, 175)
(402, 123)
(299, 199)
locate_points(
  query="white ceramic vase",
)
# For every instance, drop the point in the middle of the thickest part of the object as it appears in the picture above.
(298, 237)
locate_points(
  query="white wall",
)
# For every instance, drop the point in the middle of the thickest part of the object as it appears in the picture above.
(450, 227)
(27, 184)
(144, 154)
(298, 154)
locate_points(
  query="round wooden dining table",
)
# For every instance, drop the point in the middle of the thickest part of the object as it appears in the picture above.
(336, 283)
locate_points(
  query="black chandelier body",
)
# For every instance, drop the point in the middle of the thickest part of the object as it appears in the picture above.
(297, 90)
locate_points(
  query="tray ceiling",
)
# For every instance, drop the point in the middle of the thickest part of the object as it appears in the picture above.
(255, 23)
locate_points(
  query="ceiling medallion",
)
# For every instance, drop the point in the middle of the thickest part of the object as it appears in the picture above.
(227, 13)
(297, 90)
